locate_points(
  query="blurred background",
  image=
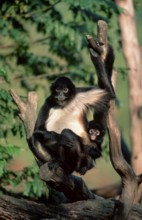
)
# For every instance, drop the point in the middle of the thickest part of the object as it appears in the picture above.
(39, 41)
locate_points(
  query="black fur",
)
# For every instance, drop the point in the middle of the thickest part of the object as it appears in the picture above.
(67, 149)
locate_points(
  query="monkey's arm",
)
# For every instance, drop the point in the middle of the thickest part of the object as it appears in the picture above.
(43, 115)
(97, 98)
(103, 67)
(100, 97)
(43, 144)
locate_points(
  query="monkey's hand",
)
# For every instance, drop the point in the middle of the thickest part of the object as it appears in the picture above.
(68, 138)
(94, 153)
(95, 48)
(66, 142)
(84, 169)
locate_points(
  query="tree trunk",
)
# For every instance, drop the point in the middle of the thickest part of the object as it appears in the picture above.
(99, 209)
(131, 51)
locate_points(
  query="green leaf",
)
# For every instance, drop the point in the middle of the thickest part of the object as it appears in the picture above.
(37, 186)
(4, 75)
(13, 150)
(5, 96)
(2, 167)
(28, 189)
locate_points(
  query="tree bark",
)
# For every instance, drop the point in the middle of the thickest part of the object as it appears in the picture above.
(132, 55)
(27, 111)
(100, 209)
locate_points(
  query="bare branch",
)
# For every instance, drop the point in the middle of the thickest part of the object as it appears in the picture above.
(27, 110)
(102, 37)
(129, 182)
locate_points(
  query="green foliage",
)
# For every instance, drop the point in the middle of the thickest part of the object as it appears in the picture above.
(28, 177)
(6, 154)
(40, 40)
(33, 185)
(4, 75)
(60, 35)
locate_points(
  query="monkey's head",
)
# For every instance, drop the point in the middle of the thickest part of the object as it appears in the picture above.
(62, 91)
(93, 134)
(96, 132)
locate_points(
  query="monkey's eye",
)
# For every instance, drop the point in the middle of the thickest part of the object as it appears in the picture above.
(97, 132)
(65, 90)
(91, 131)
(57, 90)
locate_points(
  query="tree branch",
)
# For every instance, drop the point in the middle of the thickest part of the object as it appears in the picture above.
(15, 209)
(129, 181)
(27, 110)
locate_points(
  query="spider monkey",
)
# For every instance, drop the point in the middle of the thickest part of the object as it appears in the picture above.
(96, 133)
(62, 119)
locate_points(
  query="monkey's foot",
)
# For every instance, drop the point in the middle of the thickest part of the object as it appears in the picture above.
(54, 177)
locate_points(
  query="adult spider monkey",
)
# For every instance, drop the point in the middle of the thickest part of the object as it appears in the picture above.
(61, 127)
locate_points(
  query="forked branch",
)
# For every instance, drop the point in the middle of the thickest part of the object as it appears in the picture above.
(27, 110)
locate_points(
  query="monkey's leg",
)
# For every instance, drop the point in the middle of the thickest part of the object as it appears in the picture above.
(86, 163)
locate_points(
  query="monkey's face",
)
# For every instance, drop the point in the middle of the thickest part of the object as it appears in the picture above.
(63, 90)
(61, 95)
(93, 134)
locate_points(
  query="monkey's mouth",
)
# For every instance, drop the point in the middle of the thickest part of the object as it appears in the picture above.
(61, 102)
(93, 137)
(60, 99)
